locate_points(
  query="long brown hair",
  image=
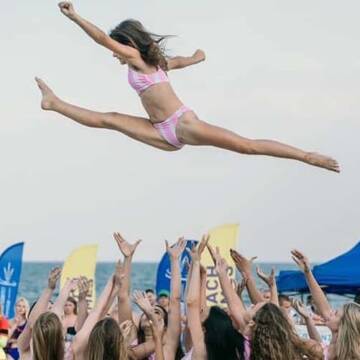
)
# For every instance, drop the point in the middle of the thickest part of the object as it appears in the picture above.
(151, 46)
(348, 336)
(275, 339)
(47, 338)
(106, 342)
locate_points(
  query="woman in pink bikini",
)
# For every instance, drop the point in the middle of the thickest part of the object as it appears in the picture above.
(170, 124)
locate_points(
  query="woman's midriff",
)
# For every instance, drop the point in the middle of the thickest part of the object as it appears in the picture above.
(160, 102)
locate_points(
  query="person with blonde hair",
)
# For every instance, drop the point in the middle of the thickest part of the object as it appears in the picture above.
(17, 325)
(48, 338)
(344, 323)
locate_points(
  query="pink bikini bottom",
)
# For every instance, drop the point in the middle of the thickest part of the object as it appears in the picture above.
(167, 128)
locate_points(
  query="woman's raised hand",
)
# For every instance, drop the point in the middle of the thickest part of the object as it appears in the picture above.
(197, 250)
(219, 262)
(67, 9)
(301, 260)
(141, 300)
(125, 329)
(300, 308)
(268, 279)
(125, 247)
(54, 277)
(199, 55)
(177, 249)
(83, 287)
(242, 263)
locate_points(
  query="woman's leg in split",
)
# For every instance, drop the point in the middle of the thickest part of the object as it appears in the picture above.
(196, 132)
(137, 128)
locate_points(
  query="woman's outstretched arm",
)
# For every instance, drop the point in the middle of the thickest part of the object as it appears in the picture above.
(124, 303)
(102, 306)
(173, 332)
(270, 281)
(39, 308)
(82, 306)
(180, 62)
(99, 36)
(319, 297)
(236, 306)
(305, 315)
(193, 302)
(244, 266)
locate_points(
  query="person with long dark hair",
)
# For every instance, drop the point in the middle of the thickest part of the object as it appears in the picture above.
(213, 338)
(170, 124)
(268, 333)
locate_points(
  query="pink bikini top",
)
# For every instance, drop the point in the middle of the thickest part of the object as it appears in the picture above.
(140, 82)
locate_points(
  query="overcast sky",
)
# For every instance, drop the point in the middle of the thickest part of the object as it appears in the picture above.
(275, 69)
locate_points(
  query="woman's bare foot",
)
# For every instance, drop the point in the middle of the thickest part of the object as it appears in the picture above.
(322, 161)
(48, 97)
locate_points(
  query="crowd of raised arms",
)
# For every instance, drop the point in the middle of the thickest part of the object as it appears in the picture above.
(164, 329)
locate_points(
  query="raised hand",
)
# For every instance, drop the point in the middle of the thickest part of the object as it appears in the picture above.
(72, 284)
(268, 279)
(301, 260)
(199, 55)
(125, 247)
(194, 254)
(67, 9)
(156, 328)
(54, 277)
(203, 243)
(83, 287)
(242, 263)
(215, 254)
(240, 287)
(177, 249)
(141, 300)
(300, 308)
(125, 329)
(220, 263)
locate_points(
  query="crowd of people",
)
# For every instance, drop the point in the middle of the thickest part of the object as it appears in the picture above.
(167, 329)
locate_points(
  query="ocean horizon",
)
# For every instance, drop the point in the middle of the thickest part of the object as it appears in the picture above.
(34, 277)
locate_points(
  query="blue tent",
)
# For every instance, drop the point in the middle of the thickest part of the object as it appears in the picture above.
(340, 275)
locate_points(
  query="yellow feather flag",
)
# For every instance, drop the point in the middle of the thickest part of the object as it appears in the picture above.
(225, 238)
(82, 262)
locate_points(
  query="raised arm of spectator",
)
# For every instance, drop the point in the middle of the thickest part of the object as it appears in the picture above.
(173, 331)
(193, 305)
(240, 289)
(318, 295)
(124, 302)
(40, 307)
(82, 306)
(236, 306)
(58, 307)
(270, 281)
(304, 313)
(244, 267)
(186, 333)
(203, 283)
(109, 292)
(143, 303)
